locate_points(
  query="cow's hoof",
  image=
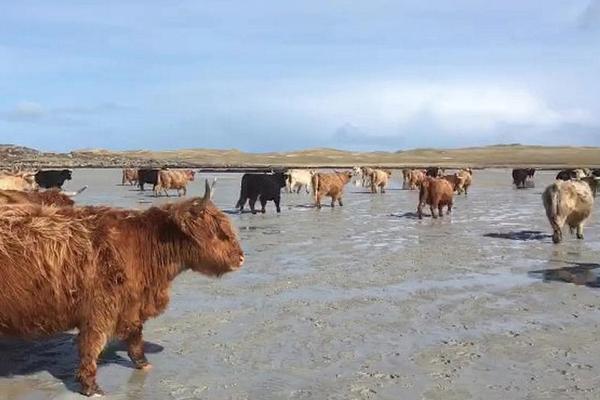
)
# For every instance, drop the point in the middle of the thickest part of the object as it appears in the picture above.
(580, 236)
(556, 238)
(92, 391)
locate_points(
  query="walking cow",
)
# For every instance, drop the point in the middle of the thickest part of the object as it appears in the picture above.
(571, 203)
(263, 187)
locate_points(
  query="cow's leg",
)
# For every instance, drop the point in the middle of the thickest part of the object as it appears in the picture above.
(340, 201)
(252, 203)
(420, 210)
(91, 342)
(277, 201)
(557, 224)
(441, 210)
(263, 205)
(450, 207)
(332, 201)
(580, 231)
(135, 348)
(318, 199)
(432, 209)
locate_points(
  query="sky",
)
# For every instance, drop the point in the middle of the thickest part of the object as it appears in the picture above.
(275, 75)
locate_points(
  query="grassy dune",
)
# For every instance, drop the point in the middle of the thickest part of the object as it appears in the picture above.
(477, 157)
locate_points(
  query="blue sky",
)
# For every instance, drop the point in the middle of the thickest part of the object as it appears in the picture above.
(277, 75)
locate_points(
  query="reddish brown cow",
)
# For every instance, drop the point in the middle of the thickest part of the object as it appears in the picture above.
(47, 197)
(437, 193)
(104, 271)
(23, 181)
(130, 176)
(331, 185)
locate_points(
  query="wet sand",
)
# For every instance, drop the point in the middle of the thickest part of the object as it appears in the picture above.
(359, 302)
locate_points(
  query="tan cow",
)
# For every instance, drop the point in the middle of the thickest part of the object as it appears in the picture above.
(569, 202)
(53, 196)
(456, 180)
(379, 179)
(406, 178)
(467, 179)
(130, 176)
(331, 185)
(437, 193)
(415, 178)
(22, 181)
(173, 179)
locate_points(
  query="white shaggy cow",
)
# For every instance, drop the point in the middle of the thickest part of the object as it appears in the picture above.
(299, 178)
(569, 202)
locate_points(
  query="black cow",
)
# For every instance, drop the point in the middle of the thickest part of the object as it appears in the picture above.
(147, 175)
(264, 187)
(520, 175)
(596, 172)
(52, 179)
(569, 174)
(434, 172)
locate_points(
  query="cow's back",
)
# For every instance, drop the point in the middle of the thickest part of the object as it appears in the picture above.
(42, 285)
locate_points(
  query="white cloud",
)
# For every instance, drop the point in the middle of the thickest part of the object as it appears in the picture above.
(462, 108)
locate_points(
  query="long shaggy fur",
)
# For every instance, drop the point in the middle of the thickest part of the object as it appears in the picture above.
(331, 185)
(102, 270)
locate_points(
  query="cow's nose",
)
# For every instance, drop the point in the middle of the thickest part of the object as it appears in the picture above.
(241, 260)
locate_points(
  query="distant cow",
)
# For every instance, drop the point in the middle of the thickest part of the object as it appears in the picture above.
(330, 184)
(570, 174)
(405, 178)
(415, 178)
(434, 172)
(104, 271)
(569, 202)
(262, 187)
(467, 179)
(379, 180)
(173, 179)
(437, 193)
(130, 176)
(22, 181)
(457, 181)
(53, 179)
(147, 175)
(298, 179)
(520, 176)
(47, 197)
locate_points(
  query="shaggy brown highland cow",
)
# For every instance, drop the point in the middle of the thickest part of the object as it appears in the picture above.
(104, 271)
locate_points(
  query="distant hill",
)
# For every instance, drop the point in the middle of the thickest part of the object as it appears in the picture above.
(478, 157)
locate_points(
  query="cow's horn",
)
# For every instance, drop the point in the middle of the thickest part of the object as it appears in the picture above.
(212, 187)
(72, 194)
(207, 190)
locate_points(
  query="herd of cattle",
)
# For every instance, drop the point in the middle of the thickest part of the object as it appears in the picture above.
(105, 270)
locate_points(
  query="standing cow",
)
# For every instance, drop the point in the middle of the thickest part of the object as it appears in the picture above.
(434, 172)
(569, 202)
(415, 178)
(263, 187)
(130, 176)
(520, 176)
(570, 174)
(53, 179)
(52, 196)
(379, 180)
(104, 271)
(22, 181)
(437, 193)
(147, 175)
(298, 179)
(331, 185)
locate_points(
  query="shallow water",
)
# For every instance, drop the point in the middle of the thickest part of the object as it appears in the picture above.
(362, 301)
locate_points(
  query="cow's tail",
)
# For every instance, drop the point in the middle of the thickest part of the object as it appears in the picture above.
(315, 184)
(243, 194)
(123, 179)
(552, 205)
